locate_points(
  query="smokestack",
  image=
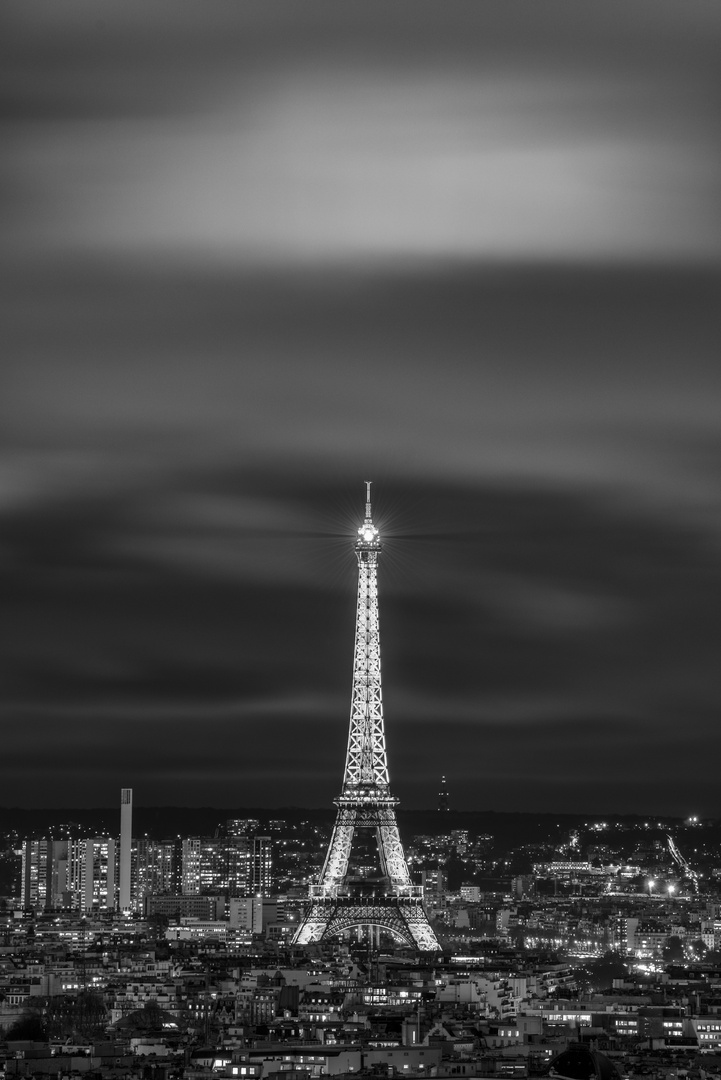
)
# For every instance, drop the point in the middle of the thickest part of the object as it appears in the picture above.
(126, 840)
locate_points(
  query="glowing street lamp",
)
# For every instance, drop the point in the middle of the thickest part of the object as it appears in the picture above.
(651, 886)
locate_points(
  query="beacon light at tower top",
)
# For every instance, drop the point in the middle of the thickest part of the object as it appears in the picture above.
(368, 533)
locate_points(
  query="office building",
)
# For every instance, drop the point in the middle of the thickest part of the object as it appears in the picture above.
(152, 871)
(44, 873)
(92, 873)
(261, 883)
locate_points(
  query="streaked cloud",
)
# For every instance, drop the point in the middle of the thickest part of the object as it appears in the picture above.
(581, 147)
(470, 252)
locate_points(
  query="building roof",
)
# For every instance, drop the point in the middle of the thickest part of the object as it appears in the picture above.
(581, 1063)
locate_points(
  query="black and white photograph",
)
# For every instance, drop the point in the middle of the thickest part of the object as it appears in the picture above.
(360, 498)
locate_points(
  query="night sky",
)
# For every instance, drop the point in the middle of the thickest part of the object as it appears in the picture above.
(254, 254)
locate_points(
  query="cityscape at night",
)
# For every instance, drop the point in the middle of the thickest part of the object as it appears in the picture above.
(360, 494)
(486, 945)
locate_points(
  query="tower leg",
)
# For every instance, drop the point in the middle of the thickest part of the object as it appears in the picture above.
(392, 857)
(335, 866)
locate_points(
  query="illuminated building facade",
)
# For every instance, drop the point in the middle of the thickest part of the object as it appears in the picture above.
(261, 867)
(239, 865)
(152, 870)
(92, 873)
(242, 826)
(43, 882)
(203, 865)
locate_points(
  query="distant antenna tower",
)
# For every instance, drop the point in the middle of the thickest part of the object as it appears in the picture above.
(443, 796)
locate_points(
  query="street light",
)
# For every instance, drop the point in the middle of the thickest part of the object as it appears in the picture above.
(651, 886)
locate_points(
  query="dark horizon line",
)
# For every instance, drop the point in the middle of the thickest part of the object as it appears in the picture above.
(330, 810)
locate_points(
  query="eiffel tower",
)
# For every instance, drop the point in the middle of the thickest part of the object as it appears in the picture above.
(351, 893)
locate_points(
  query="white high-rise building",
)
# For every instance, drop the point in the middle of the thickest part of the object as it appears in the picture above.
(225, 865)
(44, 874)
(91, 873)
(153, 871)
(262, 866)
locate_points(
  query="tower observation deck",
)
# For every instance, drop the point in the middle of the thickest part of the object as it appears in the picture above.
(350, 891)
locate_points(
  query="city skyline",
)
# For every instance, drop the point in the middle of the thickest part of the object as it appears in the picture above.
(253, 261)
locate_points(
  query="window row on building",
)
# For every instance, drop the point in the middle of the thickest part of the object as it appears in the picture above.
(85, 874)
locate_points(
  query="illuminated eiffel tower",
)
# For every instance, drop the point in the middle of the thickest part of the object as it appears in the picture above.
(350, 892)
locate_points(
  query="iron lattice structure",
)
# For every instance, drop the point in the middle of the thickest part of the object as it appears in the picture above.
(343, 899)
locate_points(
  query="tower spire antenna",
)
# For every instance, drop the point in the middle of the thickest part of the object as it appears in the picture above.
(347, 894)
(368, 534)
